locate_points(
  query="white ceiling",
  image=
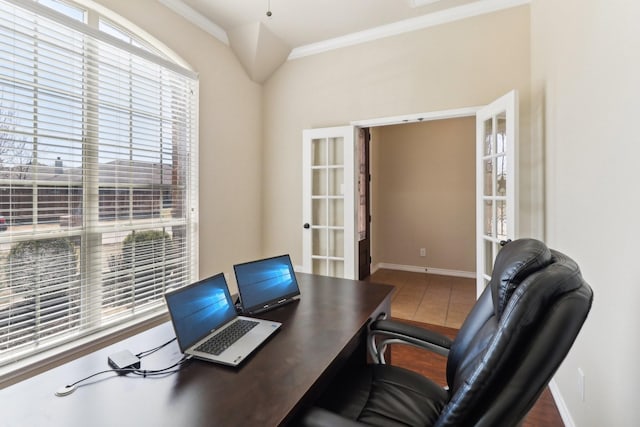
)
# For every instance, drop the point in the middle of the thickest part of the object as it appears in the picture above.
(301, 27)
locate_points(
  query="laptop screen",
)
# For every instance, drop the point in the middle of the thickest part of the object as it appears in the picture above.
(199, 308)
(266, 283)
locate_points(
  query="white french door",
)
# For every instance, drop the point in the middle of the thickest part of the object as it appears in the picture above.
(329, 202)
(496, 182)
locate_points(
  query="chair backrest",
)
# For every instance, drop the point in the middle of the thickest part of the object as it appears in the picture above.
(515, 337)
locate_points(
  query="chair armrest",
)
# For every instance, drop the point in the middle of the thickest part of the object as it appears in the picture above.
(383, 332)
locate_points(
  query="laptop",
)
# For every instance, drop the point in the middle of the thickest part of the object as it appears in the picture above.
(266, 284)
(203, 317)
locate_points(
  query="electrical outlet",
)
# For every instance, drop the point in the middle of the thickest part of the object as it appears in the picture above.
(423, 252)
(581, 384)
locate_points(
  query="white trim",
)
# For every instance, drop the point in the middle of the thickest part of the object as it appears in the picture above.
(487, 241)
(428, 270)
(420, 3)
(561, 405)
(171, 61)
(197, 19)
(350, 255)
(413, 24)
(417, 117)
(136, 30)
(445, 16)
(38, 363)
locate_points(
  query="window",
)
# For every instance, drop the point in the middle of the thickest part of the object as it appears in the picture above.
(98, 177)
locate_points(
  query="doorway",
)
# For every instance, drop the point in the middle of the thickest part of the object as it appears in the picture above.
(408, 193)
(330, 240)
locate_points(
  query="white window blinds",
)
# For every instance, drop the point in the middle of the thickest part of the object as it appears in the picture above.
(98, 180)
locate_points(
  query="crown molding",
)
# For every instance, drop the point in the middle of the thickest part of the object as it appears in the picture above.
(445, 16)
(197, 18)
(420, 3)
(480, 7)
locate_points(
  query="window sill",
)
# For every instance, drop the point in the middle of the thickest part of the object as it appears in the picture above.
(32, 366)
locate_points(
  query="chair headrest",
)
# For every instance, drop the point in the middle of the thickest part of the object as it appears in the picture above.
(516, 261)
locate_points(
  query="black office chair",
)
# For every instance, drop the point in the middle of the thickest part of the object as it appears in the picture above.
(508, 348)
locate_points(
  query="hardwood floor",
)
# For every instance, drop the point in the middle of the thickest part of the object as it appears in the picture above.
(445, 302)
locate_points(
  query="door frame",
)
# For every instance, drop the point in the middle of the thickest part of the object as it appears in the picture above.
(406, 119)
(363, 160)
(418, 117)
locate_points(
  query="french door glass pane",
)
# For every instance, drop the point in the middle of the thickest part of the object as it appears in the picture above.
(336, 151)
(336, 181)
(488, 250)
(488, 218)
(501, 175)
(488, 177)
(319, 212)
(336, 212)
(319, 184)
(336, 243)
(501, 130)
(319, 152)
(320, 266)
(335, 268)
(320, 242)
(488, 137)
(501, 219)
(328, 242)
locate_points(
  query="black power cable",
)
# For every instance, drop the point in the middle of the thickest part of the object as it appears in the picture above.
(70, 388)
(153, 350)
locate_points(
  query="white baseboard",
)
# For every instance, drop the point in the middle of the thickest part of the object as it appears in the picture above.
(412, 268)
(562, 406)
(428, 270)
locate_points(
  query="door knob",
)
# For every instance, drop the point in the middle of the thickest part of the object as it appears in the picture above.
(504, 242)
(306, 225)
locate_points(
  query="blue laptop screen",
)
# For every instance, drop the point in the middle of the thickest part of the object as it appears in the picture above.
(199, 308)
(265, 282)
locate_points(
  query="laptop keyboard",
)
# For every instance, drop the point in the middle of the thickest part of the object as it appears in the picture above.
(221, 341)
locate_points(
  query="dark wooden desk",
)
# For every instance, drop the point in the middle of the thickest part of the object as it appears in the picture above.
(320, 333)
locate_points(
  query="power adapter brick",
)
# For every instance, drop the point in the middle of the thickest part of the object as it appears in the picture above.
(123, 362)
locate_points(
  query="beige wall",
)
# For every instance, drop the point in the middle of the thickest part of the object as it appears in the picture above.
(583, 74)
(230, 157)
(586, 82)
(465, 63)
(423, 186)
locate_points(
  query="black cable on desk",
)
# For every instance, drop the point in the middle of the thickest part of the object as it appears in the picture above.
(153, 350)
(165, 371)
(70, 388)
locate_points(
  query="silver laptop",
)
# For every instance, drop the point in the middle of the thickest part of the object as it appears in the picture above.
(265, 284)
(208, 327)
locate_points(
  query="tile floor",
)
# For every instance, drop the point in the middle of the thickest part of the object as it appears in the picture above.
(429, 298)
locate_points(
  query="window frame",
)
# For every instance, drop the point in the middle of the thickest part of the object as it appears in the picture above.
(20, 367)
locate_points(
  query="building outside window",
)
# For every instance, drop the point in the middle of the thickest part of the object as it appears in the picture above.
(98, 177)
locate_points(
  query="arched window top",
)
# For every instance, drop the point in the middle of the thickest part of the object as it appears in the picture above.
(109, 22)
